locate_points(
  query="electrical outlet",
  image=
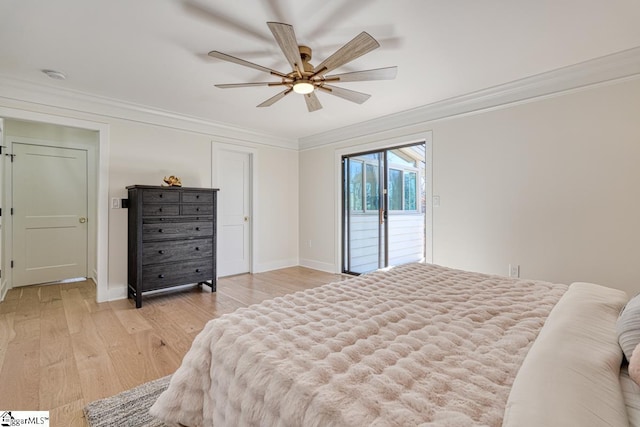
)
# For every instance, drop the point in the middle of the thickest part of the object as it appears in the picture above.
(514, 270)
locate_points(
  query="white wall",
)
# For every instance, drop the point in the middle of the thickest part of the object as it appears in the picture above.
(143, 153)
(318, 204)
(275, 216)
(551, 184)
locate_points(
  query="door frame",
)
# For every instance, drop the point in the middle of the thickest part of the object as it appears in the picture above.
(91, 195)
(99, 269)
(216, 147)
(376, 145)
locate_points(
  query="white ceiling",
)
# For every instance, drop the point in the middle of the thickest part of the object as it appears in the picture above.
(153, 53)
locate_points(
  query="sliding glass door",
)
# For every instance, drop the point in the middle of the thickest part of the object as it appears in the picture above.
(363, 220)
(383, 220)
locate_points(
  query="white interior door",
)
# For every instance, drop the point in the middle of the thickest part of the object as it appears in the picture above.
(235, 229)
(49, 189)
(3, 279)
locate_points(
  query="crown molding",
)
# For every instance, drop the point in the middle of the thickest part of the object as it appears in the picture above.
(607, 68)
(84, 103)
(620, 65)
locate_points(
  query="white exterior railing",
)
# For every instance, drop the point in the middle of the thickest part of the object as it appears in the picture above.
(406, 240)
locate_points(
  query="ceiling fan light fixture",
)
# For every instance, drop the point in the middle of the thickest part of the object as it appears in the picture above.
(303, 87)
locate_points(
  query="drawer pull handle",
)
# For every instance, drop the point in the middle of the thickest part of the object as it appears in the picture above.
(197, 196)
(197, 209)
(197, 270)
(197, 248)
(161, 252)
(197, 228)
(159, 230)
(161, 276)
(159, 209)
(160, 195)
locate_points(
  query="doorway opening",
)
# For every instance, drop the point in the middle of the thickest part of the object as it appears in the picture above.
(49, 209)
(50, 188)
(384, 200)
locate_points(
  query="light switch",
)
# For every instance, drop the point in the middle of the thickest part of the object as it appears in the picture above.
(115, 203)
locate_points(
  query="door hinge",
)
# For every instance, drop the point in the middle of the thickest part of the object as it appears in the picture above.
(0, 211)
(11, 211)
(11, 263)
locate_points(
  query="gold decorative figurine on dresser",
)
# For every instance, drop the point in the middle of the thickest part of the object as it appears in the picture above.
(172, 238)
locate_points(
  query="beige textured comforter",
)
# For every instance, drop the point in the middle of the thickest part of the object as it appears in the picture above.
(418, 344)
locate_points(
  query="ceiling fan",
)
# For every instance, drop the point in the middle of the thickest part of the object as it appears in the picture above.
(304, 78)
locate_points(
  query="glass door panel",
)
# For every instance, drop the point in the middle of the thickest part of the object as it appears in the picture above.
(363, 225)
(383, 220)
(406, 216)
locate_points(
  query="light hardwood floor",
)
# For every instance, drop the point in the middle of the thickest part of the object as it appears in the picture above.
(60, 350)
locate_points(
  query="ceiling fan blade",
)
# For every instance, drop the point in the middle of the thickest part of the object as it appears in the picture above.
(313, 103)
(277, 10)
(388, 73)
(349, 95)
(229, 58)
(358, 46)
(286, 39)
(275, 98)
(234, 85)
(342, 11)
(223, 20)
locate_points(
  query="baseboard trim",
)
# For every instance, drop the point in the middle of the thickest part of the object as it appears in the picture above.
(275, 265)
(317, 265)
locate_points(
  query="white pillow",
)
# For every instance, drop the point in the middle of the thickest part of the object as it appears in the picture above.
(628, 326)
(570, 377)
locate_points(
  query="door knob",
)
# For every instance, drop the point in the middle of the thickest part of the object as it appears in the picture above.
(246, 219)
(82, 220)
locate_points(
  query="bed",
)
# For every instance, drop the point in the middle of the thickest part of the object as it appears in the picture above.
(416, 344)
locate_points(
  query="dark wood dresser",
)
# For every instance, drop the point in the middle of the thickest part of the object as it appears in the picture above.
(172, 238)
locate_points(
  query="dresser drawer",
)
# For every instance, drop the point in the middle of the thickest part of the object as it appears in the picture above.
(176, 230)
(157, 210)
(160, 196)
(164, 275)
(197, 197)
(163, 251)
(196, 209)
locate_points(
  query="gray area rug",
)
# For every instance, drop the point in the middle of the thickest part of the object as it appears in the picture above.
(129, 408)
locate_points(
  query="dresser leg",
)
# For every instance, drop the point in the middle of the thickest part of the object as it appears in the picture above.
(210, 284)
